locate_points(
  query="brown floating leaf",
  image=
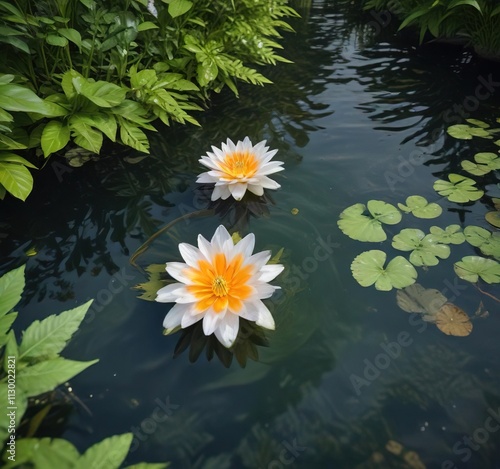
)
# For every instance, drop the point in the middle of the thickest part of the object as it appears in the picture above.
(452, 320)
(417, 299)
(394, 447)
(413, 460)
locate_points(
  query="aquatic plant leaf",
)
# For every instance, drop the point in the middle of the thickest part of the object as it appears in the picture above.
(11, 289)
(157, 278)
(452, 320)
(452, 234)
(466, 132)
(493, 218)
(47, 338)
(470, 268)
(47, 452)
(368, 269)
(485, 163)
(360, 227)
(425, 249)
(460, 189)
(486, 241)
(417, 299)
(477, 122)
(109, 453)
(419, 207)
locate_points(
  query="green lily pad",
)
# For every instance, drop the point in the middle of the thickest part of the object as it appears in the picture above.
(470, 268)
(354, 223)
(466, 132)
(420, 207)
(485, 163)
(425, 249)
(488, 242)
(452, 234)
(493, 218)
(478, 123)
(460, 189)
(368, 269)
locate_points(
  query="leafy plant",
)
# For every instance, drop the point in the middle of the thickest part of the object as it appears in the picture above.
(452, 234)
(470, 268)
(486, 241)
(419, 207)
(459, 189)
(368, 269)
(484, 163)
(354, 223)
(425, 250)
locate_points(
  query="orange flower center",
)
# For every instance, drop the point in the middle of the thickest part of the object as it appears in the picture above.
(240, 165)
(220, 284)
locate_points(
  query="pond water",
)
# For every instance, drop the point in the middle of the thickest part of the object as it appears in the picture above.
(359, 115)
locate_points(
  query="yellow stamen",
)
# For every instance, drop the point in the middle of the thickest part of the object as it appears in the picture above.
(239, 165)
(219, 286)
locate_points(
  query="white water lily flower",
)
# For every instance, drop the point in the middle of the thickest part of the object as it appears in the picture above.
(219, 283)
(236, 168)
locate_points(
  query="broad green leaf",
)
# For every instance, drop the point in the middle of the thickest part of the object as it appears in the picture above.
(486, 241)
(452, 234)
(72, 35)
(179, 7)
(11, 288)
(47, 375)
(68, 81)
(7, 143)
(107, 454)
(8, 157)
(355, 224)
(147, 25)
(16, 179)
(460, 189)
(45, 453)
(478, 123)
(149, 465)
(485, 162)
(133, 136)
(5, 77)
(470, 268)
(425, 249)
(207, 72)
(55, 136)
(18, 98)
(47, 338)
(84, 135)
(493, 218)
(420, 208)
(103, 93)
(368, 269)
(5, 325)
(55, 40)
(466, 132)
(143, 78)
(16, 42)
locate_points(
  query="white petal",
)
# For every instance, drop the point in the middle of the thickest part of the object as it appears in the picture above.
(245, 246)
(256, 189)
(209, 163)
(170, 293)
(249, 312)
(264, 290)
(228, 330)
(177, 271)
(174, 317)
(205, 248)
(190, 254)
(268, 183)
(189, 319)
(265, 317)
(259, 260)
(220, 192)
(206, 178)
(221, 239)
(211, 321)
(269, 156)
(238, 190)
(270, 168)
(270, 272)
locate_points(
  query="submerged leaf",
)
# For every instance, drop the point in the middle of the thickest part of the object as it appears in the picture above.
(452, 320)
(417, 299)
(452, 234)
(460, 189)
(420, 208)
(470, 268)
(355, 224)
(425, 249)
(368, 269)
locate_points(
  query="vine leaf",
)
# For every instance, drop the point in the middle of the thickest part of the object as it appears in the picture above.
(470, 268)
(420, 208)
(354, 223)
(368, 269)
(425, 249)
(459, 189)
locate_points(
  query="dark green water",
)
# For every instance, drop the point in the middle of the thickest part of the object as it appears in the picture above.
(356, 117)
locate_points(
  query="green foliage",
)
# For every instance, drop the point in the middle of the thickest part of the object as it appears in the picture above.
(419, 207)
(470, 268)
(356, 225)
(478, 21)
(486, 241)
(425, 250)
(94, 70)
(452, 234)
(459, 189)
(368, 269)
(485, 163)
